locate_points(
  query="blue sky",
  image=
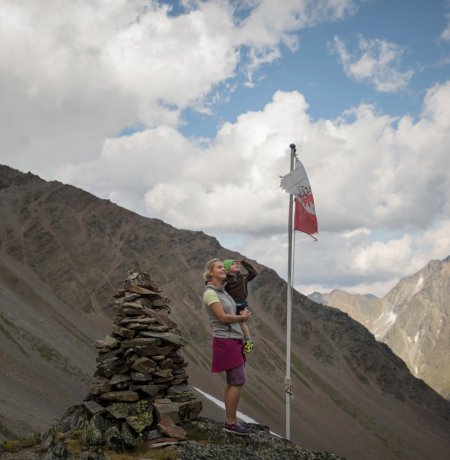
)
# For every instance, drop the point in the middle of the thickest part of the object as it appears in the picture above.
(315, 71)
(184, 111)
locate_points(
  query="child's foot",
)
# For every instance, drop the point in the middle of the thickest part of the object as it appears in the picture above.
(248, 346)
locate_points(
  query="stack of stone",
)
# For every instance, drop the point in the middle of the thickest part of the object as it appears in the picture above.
(140, 362)
(140, 387)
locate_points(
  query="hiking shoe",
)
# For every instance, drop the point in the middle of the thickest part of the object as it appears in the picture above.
(248, 346)
(245, 424)
(237, 428)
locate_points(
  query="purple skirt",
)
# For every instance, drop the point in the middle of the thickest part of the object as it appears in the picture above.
(226, 354)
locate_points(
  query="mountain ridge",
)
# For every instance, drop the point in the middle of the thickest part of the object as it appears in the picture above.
(416, 303)
(72, 249)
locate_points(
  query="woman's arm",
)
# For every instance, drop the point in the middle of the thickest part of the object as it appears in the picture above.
(227, 318)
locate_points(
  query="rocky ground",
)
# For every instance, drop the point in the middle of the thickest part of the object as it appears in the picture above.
(206, 440)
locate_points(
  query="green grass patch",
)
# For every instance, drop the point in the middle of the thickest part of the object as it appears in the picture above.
(18, 444)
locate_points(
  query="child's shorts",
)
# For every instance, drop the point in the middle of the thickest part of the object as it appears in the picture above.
(241, 306)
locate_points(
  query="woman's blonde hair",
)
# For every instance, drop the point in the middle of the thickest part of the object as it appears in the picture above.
(208, 269)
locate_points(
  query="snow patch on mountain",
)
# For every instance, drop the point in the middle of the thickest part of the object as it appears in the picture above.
(419, 285)
(383, 323)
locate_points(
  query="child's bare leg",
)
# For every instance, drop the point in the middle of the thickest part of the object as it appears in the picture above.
(245, 330)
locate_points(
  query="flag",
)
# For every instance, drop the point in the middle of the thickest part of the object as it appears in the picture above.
(297, 184)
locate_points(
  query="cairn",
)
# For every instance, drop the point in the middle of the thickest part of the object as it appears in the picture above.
(140, 388)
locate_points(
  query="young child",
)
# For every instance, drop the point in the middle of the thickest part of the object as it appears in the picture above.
(236, 286)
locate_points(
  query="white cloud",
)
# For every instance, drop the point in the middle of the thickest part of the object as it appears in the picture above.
(75, 73)
(272, 23)
(377, 62)
(378, 182)
(445, 35)
(74, 77)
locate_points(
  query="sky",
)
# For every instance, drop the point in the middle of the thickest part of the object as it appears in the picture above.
(185, 110)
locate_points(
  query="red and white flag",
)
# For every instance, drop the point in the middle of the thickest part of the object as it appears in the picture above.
(297, 184)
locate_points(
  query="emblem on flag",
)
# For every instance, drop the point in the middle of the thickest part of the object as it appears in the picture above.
(297, 184)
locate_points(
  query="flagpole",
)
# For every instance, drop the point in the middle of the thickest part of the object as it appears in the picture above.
(287, 381)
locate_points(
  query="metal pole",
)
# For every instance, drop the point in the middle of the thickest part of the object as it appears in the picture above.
(287, 381)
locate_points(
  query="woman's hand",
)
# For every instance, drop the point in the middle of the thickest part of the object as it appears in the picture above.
(223, 317)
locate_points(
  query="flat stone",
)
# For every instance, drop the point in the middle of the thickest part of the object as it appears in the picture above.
(130, 296)
(120, 396)
(156, 328)
(162, 401)
(178, 389)
(163, 380)
(130, 303)
(108, 342)
(123, 332)
(139, 326)
(144, 365)
(131, 311)
(190, 410)
(150, 390)
(152, 435)
(182, 397)
(167, 411)
(93, 407)
(178, 411)
(157, 302)
(123, 410)
(164, 373)
(166, 364)
(105, 353)
(106, 358)
(152, 350)
(178, 381)
(165, 320)
(168, 337)
(168, 428)
(119, 378)
(108, 370)
(140, 377)
(179, 365)
(125, 320)
(121, 386)
(140, 341)
(181, 376)
(163, 442)
(99, 385)
(131, 357)
(140, 290)
(178, 371)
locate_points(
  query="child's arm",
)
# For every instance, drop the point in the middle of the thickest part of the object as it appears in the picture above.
(251, 272)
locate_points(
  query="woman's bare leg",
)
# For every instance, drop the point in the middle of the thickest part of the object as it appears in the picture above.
(231, 400)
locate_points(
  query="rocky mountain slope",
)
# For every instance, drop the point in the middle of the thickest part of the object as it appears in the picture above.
(63, 253)
(413, 319)
(362, 308)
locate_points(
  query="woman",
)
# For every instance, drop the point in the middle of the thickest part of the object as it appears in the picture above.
(227, 342)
